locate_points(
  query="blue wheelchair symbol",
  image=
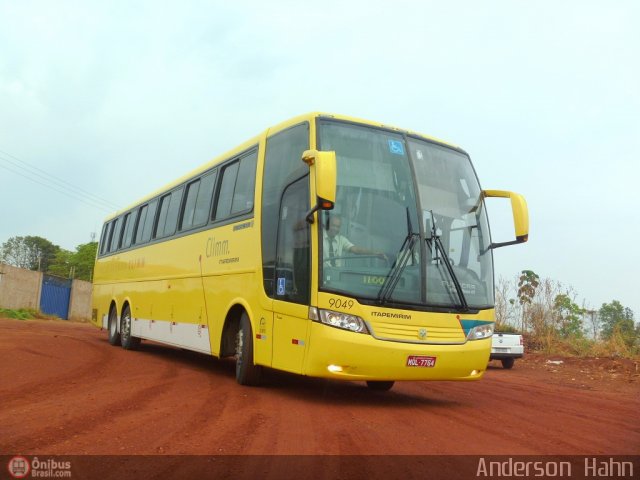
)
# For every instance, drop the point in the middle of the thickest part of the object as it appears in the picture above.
(396, 147)
(281, 286)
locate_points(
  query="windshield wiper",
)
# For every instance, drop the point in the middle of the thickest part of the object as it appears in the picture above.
(435, 238)
(401, 262)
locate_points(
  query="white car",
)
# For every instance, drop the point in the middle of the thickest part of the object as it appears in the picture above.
(506, 347)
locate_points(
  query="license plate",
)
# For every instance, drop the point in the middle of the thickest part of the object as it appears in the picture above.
(421, 361)
(501, 349)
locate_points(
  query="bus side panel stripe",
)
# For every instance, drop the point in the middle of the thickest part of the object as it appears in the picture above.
(185, 335)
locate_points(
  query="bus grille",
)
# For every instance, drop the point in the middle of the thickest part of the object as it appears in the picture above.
(417, 333)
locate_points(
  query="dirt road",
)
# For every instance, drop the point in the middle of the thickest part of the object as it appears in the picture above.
(65, 390)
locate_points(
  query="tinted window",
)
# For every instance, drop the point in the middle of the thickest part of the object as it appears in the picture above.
(148, 224)
(237, 188)
(190, 205)
(293, 264)
(225, 198)
(142, 217)
(162, 216)
(103, 238)
(198, 201)
(283, 164)
(168, 216)
(203, 202)
(129, 222)
(115, 237)
(172, 214)
(245, 184)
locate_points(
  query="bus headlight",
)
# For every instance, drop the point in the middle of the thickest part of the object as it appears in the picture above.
(480, 332)
(345, 321)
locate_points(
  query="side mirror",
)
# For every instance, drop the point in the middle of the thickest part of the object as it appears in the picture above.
(520, 215)
(324, 164)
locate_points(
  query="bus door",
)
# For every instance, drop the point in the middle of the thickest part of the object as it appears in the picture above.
(292, 279)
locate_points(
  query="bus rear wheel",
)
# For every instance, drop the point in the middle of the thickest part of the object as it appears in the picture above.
(114, 336)
(128, 341)
(247, 373)
(379, 385)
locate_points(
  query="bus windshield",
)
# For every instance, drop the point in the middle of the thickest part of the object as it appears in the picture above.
(409, 225)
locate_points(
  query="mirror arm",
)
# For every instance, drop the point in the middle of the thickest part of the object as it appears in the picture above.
(521, 239)
(310, 219)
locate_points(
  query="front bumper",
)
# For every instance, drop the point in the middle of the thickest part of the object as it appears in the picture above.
(340, 354)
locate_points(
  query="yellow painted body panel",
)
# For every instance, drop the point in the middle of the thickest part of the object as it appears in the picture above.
(383, 354)
(167, 281)
(199, 278)
(363, 357)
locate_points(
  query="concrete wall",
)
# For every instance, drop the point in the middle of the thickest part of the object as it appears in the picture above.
(20, 288)
(80, 301)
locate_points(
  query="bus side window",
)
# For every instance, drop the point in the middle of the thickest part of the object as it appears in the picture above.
(225, 197)
(197, 202)
(104, 238)
(203, 202)
(237, 188)
(115, 235)
(142, 216)
(245, 184)
(172, 214)
(191, 196)
(148, 224)
(162, 216)
(128, 229)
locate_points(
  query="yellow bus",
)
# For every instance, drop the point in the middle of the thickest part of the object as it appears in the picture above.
(326, 246)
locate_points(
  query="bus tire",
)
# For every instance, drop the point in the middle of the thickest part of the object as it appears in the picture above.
(128, 341)
(507, 363)
(247, 373)
(114, 335)
(381, 386)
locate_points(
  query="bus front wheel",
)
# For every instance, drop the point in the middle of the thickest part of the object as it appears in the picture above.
(379, 385)
(247, 373)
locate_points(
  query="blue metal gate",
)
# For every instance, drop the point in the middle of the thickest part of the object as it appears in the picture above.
(54, 299)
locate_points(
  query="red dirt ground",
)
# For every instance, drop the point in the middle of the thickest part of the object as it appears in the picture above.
(65, 391)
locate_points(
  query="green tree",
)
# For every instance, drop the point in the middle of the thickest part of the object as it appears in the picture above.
(528, 282)
(33, 253)
(78, 264)
(568, 316)
(62, 264)
(84, 260)
(616, 318)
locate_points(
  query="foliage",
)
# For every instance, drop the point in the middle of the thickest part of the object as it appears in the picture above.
(25, 314)
(78, 264)
(569, 317)
(618, 320)
(554, 322)
(506, 328)
(37, 253)
(19, 314)
(33, 253)
(528, 282)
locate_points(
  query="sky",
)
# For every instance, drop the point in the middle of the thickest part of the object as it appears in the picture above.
(103, 102)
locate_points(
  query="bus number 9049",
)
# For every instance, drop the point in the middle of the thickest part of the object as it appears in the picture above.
(341, 303)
